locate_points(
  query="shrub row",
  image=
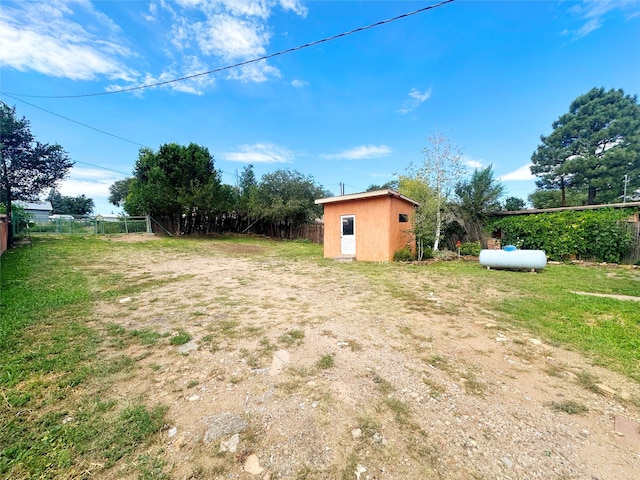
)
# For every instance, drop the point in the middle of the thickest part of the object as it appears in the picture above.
(600, 234)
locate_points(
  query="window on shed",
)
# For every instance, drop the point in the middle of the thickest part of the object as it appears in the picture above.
(403, 218)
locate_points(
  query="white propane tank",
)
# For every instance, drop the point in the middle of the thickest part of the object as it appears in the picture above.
(511, 257)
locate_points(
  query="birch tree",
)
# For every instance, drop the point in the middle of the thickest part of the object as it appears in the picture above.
(442, 168)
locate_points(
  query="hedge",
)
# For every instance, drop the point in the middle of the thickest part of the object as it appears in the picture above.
(601, 234)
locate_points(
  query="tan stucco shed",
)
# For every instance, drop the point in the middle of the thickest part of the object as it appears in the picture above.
(369, 226)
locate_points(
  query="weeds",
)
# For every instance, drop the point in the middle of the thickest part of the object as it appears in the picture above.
(291, 337)
(588, 381)
(180, 338)
(325, 362)
(382, 385)
(571, 407)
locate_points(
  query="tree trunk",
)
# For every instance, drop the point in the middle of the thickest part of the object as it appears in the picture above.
(7, 188)
(562, 190)
(436, 241)
(591, 199)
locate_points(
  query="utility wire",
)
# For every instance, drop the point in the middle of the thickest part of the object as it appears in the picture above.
(74, 121)
(92, 128)
(247, 62)
(103, 168)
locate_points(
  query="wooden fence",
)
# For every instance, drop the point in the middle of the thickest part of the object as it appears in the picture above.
(633, 255)
(4, 233)
(313, 233)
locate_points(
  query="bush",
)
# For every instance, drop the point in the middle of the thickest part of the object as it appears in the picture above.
(471, 248)
(600, 234)
(445, 255)
(403, 255)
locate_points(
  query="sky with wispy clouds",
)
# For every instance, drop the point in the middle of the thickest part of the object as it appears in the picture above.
(490, 75)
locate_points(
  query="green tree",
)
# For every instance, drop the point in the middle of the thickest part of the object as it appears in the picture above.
(176, 185)
(285, 199)
(246, 185)
(391, 184)
(554, 199)
(592, 147)
(27, 166)
(119, 191)
(478, 196)
(423, 225)
(64, 205)
(513, 204)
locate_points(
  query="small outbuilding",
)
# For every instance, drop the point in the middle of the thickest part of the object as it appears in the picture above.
(38, 212)
(369, 226)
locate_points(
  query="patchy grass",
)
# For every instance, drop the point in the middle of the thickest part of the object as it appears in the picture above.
(57, 418)
(292, 337)
(59, 363)
(588, 380)
(571, 407)
(326, 361)
(383, 386)
(180, 338)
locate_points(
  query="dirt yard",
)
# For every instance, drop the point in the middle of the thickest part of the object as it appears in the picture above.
(308, 370)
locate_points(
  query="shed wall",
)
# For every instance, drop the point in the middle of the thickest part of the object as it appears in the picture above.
(378, 232)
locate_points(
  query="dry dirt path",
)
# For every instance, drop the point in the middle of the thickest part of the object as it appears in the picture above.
(302, 370)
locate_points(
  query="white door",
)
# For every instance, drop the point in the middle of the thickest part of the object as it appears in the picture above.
(348, 235)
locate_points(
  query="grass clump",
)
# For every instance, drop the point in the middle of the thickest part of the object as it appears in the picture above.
(401, 410)
(571, 407)
(588, 380)
(180, 338)
(326, 361)
(382, 385)
(291, 337)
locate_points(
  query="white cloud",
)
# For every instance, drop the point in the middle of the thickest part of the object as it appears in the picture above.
(88, 182)
(259, 153)
(295, 6)
(416, 98)
(191, 65)
(522, 173)
(360, 153)
(593, 14)
(73, 39)
(299, 83)
(471, 162)
(43, 38)
(232, 31)
(231, 38)
(254, 72)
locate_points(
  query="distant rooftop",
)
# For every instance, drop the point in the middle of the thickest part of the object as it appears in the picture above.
(562, 209)
(34, 205)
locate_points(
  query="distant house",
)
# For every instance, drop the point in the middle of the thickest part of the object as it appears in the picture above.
(369, 226)
(39, 211)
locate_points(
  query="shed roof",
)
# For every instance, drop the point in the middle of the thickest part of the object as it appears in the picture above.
(358, 196)
(35, 205)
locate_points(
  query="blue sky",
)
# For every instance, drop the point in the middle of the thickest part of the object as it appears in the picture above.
(491, 76)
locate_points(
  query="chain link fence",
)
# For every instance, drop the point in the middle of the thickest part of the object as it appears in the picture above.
(67, 225)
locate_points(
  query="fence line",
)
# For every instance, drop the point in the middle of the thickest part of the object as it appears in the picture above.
(4, 231)
(98, 226)
(633, 255)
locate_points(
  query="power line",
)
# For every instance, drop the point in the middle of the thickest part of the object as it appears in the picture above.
(101, 167)
(97, 130)
(247, 62)
(74, 121)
